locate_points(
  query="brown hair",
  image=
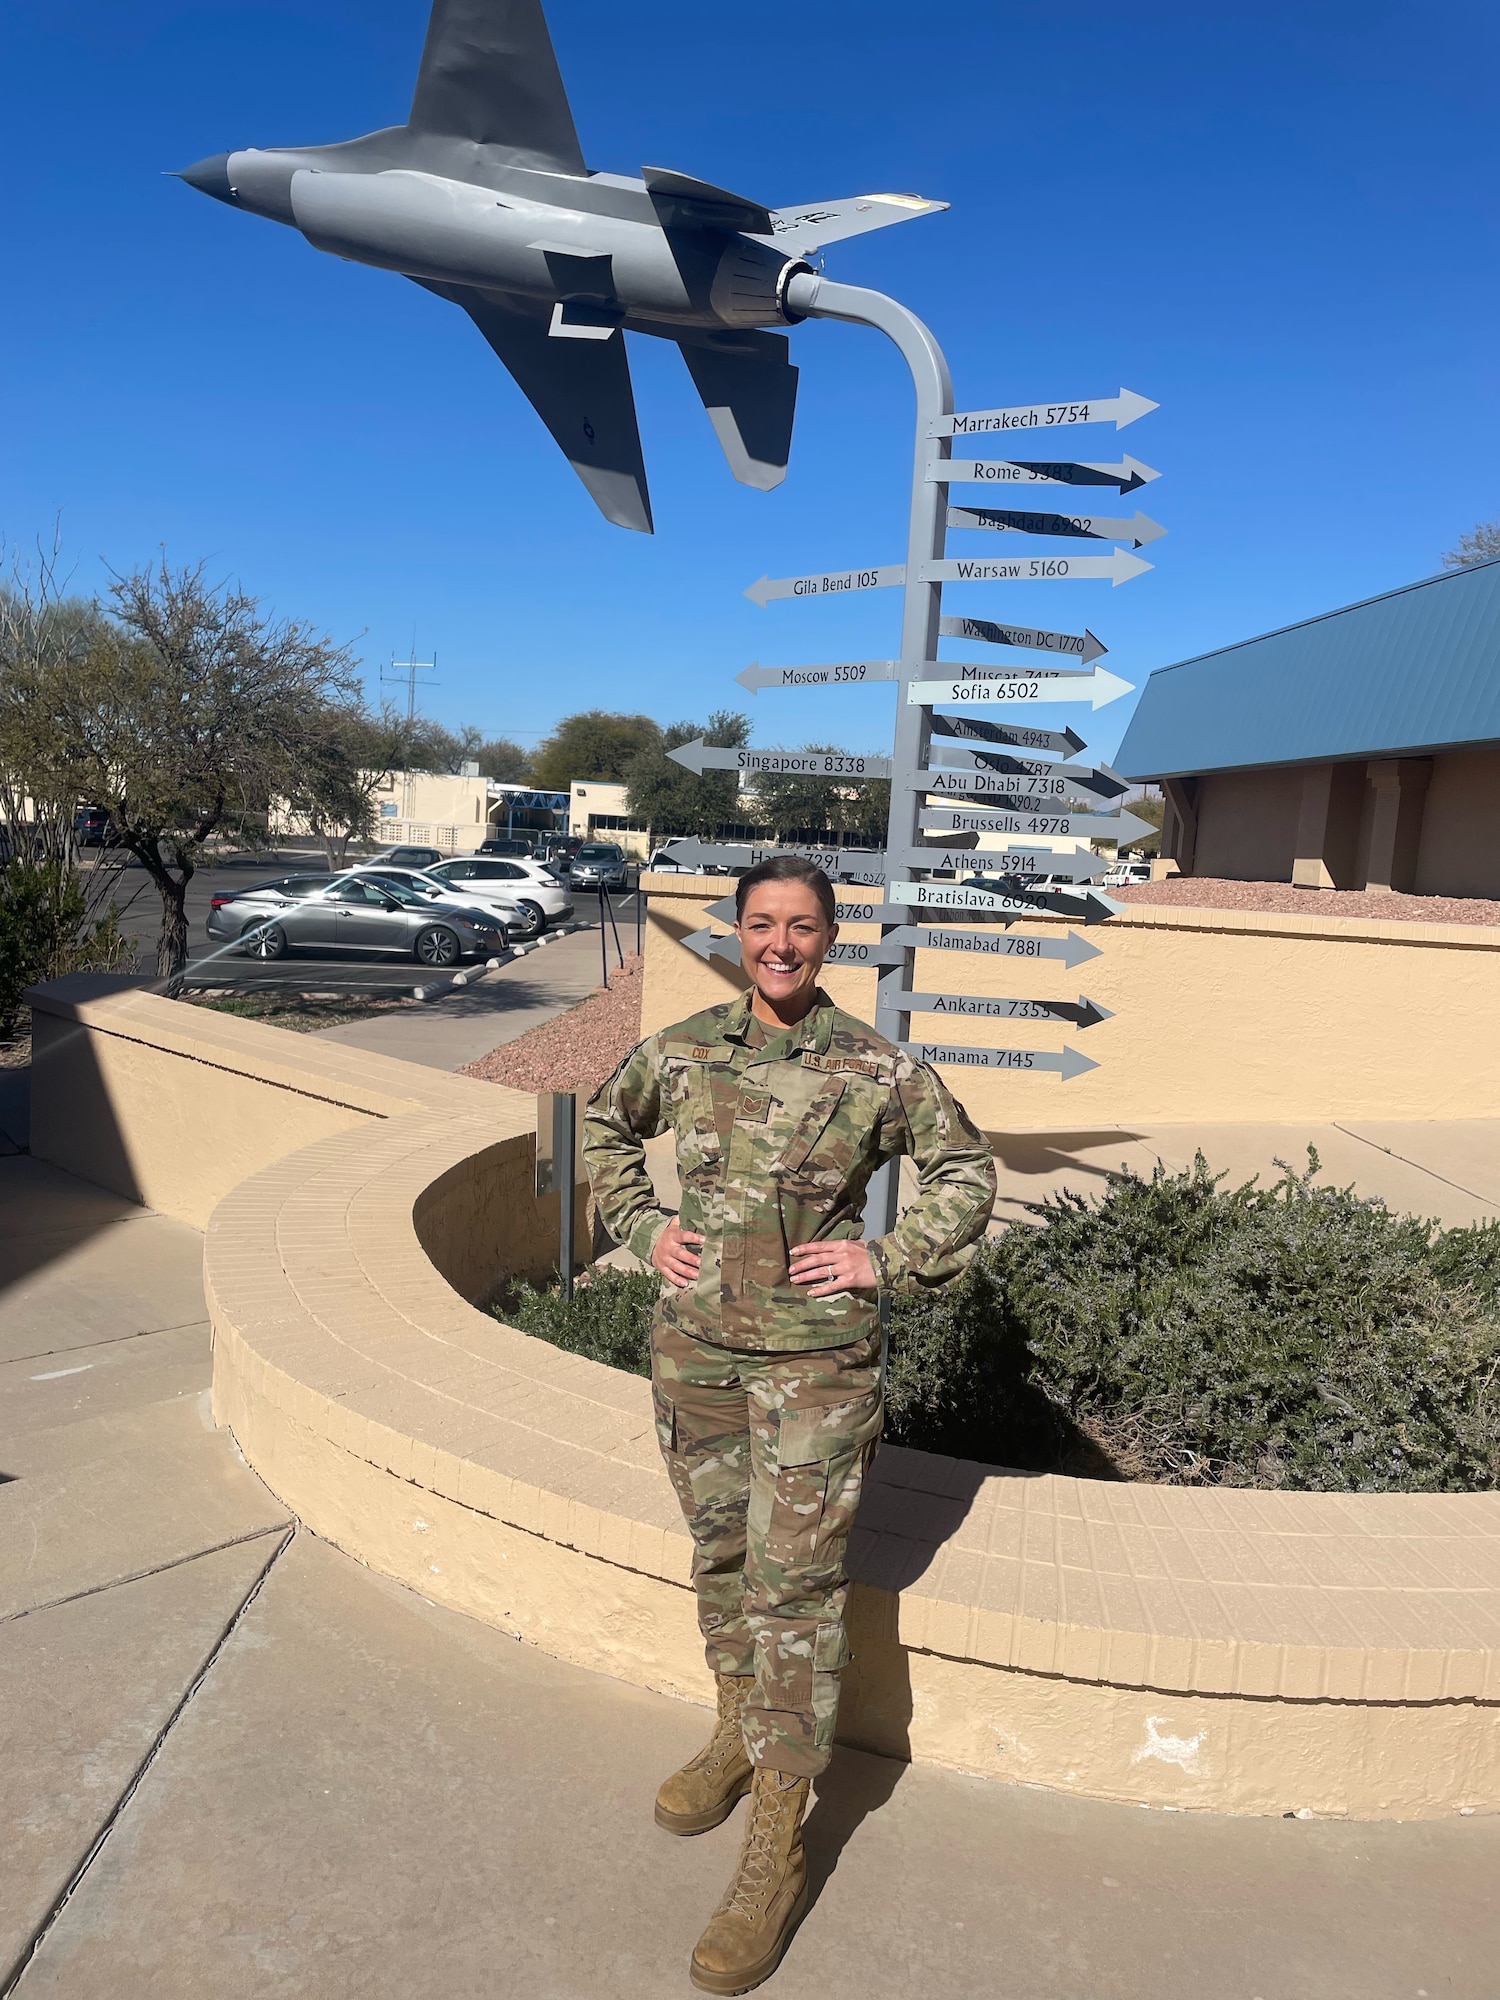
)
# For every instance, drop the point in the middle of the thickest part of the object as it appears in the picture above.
(787, 868)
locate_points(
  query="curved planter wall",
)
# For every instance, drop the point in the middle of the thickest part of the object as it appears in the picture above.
(1243, 1652)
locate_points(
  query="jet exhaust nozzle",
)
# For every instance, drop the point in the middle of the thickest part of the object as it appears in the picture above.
(211, 176)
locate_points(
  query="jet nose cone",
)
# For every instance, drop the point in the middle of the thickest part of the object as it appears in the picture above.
(210, 176)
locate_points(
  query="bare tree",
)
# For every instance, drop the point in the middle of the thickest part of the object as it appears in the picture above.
(182, 709)
(1478, 546)
(343, 761)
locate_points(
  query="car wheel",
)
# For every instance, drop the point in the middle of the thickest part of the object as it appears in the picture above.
(437, 945)
(266, 942)
(535, 918)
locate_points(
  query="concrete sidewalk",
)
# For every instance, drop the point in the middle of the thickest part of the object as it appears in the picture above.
(499, 1007)
(236, 1762)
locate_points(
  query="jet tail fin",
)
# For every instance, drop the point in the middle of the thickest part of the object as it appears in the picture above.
(489, 74)
(749, 389)
(798, 230)
(581, 391)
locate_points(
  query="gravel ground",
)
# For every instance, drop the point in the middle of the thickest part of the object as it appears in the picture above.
(1201, 892)
(578, 1049)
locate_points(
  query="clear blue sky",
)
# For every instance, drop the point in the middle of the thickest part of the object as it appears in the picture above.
(1278, 221)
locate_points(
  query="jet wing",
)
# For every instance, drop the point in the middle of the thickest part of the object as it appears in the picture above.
(489, 74)
(749, 389)
(798, 230)
(581, 391)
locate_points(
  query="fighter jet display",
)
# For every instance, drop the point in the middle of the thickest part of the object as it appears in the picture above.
(482, 197)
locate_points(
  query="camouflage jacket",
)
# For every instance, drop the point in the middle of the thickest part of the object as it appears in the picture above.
(777, 1135)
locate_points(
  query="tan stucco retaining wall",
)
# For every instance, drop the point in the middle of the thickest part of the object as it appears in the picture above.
(1221, 1016)
(1243, 1652)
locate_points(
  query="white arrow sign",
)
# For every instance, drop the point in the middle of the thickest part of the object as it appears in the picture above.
(1097, 689)
(1117, 410)
(1116, 569)
(826, 583)
(1072, 950)
(1121, 827)
(698, 757)
(707, 946)
(1078, 865)
(1127, 475)
(1029, 777)
(1137, 531)
(1082, 645)
(846, 673)
(1066, 1062)
(1092, 905)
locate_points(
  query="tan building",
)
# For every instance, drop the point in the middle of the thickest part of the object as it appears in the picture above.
(599, 810)
(1360, 750)
(452, 811)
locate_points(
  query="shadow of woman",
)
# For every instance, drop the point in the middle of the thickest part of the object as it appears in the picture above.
(855, 1785)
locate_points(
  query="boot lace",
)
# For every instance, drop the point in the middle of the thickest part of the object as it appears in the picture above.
(756, 1874)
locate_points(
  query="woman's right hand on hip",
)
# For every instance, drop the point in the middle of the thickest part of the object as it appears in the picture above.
(676, 1256)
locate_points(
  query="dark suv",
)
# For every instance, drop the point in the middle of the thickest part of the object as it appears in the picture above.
(512, 849)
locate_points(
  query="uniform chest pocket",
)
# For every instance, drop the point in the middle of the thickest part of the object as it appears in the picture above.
(700, 1149)
(823, 1142)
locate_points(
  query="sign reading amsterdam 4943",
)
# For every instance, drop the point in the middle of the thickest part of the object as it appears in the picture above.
(1021, 827)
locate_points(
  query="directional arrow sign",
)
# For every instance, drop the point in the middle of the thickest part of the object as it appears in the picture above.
(699, 757)
(860, 864)
(827, 583)
(1066, 742)
(709, 946)
(1078, 865)
(1096, 688)
(1082, 1013)
(1090, 527)
(1083, 646)
(847, 673)
(1116, 569)
(1067, 1062)
(1121, 827)
(1033, 777)
(973, 785)
(1092, 905)
(1072, 950)
(1127, 475)
(1117, 410)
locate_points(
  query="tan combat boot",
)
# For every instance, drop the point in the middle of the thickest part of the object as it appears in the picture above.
(707, 1788)
(764, 1903)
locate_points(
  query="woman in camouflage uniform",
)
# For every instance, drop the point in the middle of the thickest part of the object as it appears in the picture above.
(766, 1351)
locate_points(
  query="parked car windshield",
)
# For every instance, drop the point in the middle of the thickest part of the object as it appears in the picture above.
(600, 854)
(405, 890)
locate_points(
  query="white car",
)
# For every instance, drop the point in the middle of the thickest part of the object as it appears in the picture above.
(532, 883)
(522, 919)
(1122, 873)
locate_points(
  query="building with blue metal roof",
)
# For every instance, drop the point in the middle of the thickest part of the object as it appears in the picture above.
(1359, 749)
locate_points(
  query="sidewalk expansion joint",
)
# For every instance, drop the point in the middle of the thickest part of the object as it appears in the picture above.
(114, 1340)
(12, 1979)
(1391, 1154)
(139, 1576)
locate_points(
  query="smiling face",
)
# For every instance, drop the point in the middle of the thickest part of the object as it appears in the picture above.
(784, 938)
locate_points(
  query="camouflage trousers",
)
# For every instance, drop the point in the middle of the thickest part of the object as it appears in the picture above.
(768, 1454)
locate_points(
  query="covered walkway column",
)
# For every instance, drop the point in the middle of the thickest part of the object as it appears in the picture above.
(1393, 824)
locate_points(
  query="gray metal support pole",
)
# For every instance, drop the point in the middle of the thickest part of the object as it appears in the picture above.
(818, 298)
(566, 1140)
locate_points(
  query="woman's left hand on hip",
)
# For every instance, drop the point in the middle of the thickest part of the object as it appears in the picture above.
(826, 1268)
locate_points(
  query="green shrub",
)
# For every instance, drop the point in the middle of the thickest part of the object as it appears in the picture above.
(1171, 1330)
(45, 932)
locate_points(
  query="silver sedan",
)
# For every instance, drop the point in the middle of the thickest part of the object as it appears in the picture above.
(342, 913)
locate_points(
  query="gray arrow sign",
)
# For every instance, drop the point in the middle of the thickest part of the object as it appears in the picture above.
(860, 864)
(1092, 906)
(980, 783)
(1116, 569)
(1066, 1062)
(1078, 864)
(1082, 646)
(699, 757)
(1127, 475)
(845, 673)
(826, 583)
(1117, 410)
(1120, 827)
(1033, 777)
(708, 946)
(1090, 527)
(1097, 687)
(1066, 742)
(1072, 950)
(1081, 1012)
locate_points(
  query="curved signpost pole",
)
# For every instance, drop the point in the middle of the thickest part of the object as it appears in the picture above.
(818, 298)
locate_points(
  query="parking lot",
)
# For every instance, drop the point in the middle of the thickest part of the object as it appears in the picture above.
(217, 966)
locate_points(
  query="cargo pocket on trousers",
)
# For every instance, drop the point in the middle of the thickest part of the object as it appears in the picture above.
(821, 1455)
